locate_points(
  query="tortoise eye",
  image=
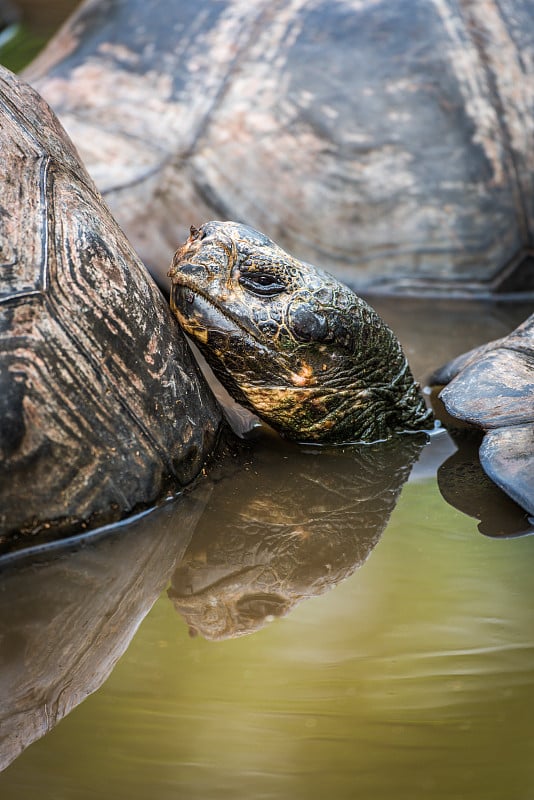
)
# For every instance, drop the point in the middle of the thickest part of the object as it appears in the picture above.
(262, 284)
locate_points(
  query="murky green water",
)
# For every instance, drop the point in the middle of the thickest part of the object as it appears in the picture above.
(374, 659)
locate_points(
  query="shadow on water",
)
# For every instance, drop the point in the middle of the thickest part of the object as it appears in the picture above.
(295, 522)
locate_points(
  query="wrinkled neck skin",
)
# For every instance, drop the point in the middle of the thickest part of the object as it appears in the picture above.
(313, 360)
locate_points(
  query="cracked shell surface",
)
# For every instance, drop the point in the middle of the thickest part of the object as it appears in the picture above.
(101, 407)
(390, 142)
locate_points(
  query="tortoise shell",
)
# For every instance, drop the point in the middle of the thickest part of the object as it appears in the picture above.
(101, 406)
(391, 143)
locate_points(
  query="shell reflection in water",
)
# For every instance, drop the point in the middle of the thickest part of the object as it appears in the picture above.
(286, 529)
(69, 610)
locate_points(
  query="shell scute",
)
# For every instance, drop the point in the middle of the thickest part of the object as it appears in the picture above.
(102, 407)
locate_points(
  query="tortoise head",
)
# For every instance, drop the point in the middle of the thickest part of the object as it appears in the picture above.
(289, 341)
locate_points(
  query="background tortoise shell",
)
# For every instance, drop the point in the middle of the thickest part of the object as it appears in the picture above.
(390, 143)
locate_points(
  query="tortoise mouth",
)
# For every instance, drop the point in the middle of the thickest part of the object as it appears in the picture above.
(196, 308)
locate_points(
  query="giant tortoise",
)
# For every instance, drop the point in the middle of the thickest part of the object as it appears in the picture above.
(390, 142)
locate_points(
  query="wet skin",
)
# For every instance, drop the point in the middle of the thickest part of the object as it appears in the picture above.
(291, 342)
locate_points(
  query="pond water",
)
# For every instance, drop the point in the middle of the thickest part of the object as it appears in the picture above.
(303, 623)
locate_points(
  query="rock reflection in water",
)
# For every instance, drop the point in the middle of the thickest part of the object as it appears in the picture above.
(465, 486)
(290, 526)
(69, 611)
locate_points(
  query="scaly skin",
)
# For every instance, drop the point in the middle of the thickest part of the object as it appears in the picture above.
(290, 342)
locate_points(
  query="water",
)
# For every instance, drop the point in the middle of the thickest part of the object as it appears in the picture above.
(304, 624)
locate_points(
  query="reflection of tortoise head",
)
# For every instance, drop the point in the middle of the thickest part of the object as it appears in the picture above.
(241, 602)
(227, 611)
(286, 530)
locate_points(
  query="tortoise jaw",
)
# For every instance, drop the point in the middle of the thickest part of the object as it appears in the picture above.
(194, 306)
(213, 329)
(197, 313)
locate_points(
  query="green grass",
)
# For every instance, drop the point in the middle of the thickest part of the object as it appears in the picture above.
(21, 48)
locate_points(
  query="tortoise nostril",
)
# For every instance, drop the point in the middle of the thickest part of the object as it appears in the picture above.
(196, 233)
